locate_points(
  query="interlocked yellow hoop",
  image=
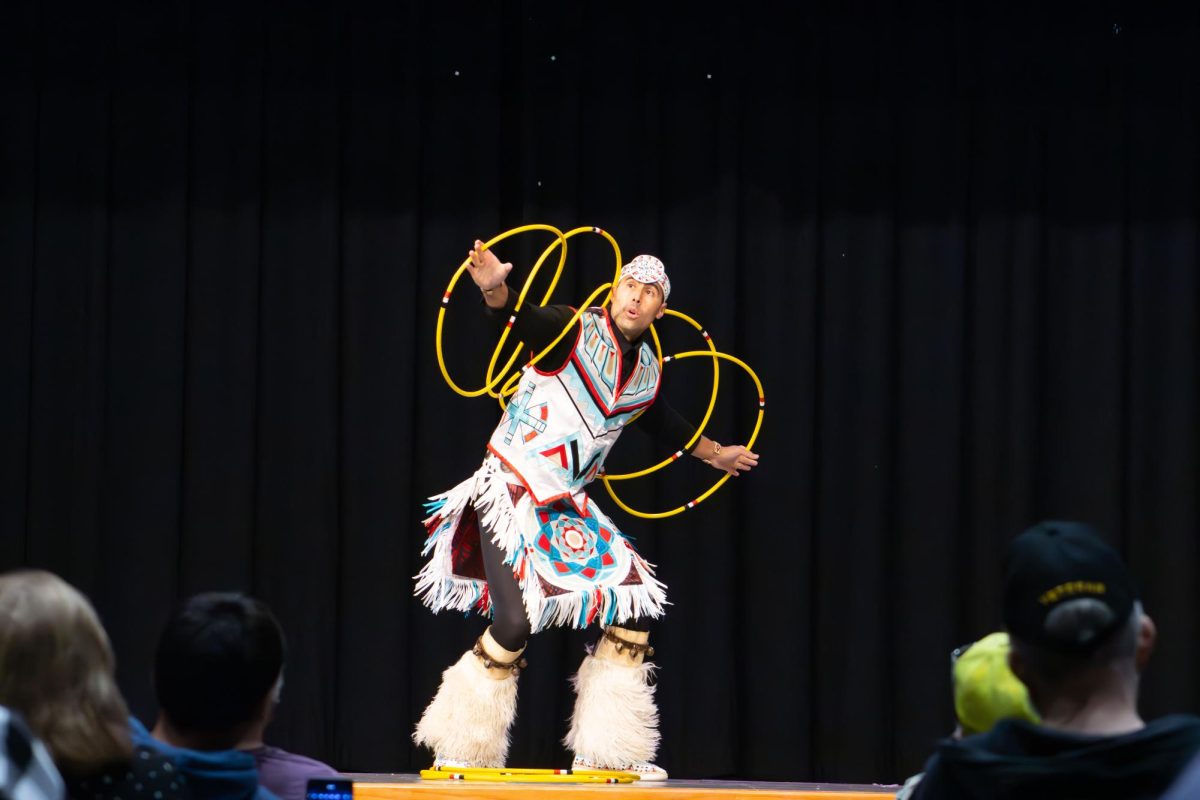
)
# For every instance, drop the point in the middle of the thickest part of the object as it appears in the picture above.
(762, 404)
(712, 403)
(508, 379)
(493, 378)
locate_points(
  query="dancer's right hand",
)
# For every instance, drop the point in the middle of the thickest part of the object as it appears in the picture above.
(486, 270)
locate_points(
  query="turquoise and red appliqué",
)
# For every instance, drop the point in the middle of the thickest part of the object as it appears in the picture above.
(576, 546)
(573, 564)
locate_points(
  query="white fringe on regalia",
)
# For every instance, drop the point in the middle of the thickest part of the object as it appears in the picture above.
(634, 594)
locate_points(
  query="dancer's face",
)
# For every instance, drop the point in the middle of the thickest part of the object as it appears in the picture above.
(635, 305)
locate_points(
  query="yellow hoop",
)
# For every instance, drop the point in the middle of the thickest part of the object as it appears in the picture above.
(720, 482)
(492, 378)
(712, 403)
(508, 379)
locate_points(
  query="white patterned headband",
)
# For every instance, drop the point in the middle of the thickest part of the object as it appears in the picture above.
(648, 269)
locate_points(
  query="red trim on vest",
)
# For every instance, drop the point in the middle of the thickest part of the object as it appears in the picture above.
(617, 409)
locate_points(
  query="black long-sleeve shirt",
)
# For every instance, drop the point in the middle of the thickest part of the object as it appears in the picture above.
(537, 326)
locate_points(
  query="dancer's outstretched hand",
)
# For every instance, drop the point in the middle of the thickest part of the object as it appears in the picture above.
(486, 270)
(735, 459)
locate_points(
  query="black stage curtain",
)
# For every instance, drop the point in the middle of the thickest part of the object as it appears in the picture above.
(957, 241)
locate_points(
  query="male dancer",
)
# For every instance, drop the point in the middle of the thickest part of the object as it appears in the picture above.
(521, 540)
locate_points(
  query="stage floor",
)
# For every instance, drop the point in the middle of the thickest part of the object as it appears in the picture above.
(400, 787)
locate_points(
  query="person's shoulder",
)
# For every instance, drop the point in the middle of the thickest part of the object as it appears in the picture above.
(1175, 722)
(146, 747)
(144, 753)
(147, 758)
(951, 751)
(927, 784)
(139, 733)
(1011, 737)
(1183, 729)
(278, 755)
(1187, 785)
(147, 773)
(1000, 738)
(938, 778)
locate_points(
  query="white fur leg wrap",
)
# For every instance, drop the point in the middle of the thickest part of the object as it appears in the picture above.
(470, 716)
(615, 720)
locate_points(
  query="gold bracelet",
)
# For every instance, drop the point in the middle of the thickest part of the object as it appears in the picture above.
(715, 453)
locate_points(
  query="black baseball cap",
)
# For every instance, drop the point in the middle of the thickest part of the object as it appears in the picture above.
(1053, 563)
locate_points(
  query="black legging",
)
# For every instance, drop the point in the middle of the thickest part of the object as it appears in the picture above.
(510, 623)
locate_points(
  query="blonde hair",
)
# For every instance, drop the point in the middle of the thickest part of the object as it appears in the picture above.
(57, 669)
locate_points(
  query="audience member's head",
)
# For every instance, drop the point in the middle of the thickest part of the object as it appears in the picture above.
(218, 669)
(985, 688)
(57, 670)
(1072, 610)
